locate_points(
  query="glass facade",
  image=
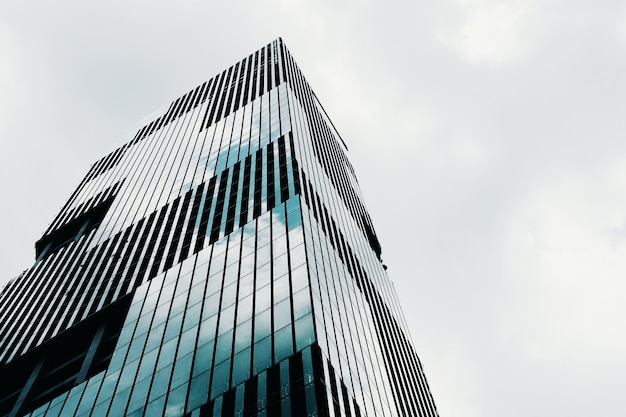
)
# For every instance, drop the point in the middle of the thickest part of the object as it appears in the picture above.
(220, 263)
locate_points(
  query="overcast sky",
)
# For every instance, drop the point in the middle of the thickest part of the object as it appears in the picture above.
(489, 139)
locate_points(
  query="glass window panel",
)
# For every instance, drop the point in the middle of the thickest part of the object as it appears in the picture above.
(263, 274)
(263, 298)
(229, 295)
(298, 256)
(243, 335)
(279, 246)
(262, 355)
(176, 401)
(214, 284)
(198, 391)
(247, 264)
(173, 327)
(246, 285)
(207, 329)
(305, 334)
(282, 314)
(301, 303)
(147, 364)
(166, 355)
(262, 325)
(221, 377)
(264, 253)
(192, 317)
(227, 318)
(283, 344)
(223, 346)
(281, 288)
(187, 342)
(136, 347)
(196, 294)
(244, 309)
(181, 370)
(281, 266)
(160, 382)
(203, 358)
(241, 366)
(299, 278)
(296, 237)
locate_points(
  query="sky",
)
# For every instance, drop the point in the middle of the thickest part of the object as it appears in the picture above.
(489, 139)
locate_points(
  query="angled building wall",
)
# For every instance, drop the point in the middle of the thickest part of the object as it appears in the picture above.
(221, 263)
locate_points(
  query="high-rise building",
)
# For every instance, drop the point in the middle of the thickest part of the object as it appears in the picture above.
(220, 263)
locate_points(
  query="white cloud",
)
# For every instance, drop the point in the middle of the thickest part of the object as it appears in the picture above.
(493, 33)
(568, 271)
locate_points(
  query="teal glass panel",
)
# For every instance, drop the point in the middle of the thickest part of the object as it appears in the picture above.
(305, 333)
(262, 355)
(224, 346)
(118, 406)
(198, 391)
(262, 325)
(182, 369)
(282, 313)
(283, 343)
(241, 366)
(155, 407)
(301, 303)
(139, 394)
(243, 336)
(203, 359)
(176, 401)
(221, 378)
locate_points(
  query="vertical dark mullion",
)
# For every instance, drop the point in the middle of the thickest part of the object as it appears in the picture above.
(276, 54)
(273, 391)
(258, 182)
(224, 94)
(215, 99)
(204, 218)
(201, 94)
(271, 190)
(191, 224)
(120, 263)
(169, 261)
(294, 164)
(31, 315)
(158, 258)
(242, 74)
(255, 71)
(183, 108)
(296, 385)
(247, 88)
(147, 256)
(250, 397)
(67, 290)
(268, 66)
(82, 280)
(282, 165)
(196, 93)
(205, 94)
(129, 250)
(219, 207)
(231, 89)
(232, 200)
(88, 284)
(245, 196)
(115, 264)
(139, 249)
(262, 73)
(282, 57)
(102, 278)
